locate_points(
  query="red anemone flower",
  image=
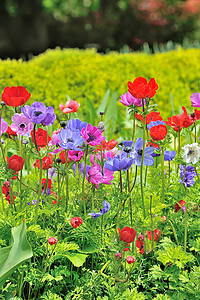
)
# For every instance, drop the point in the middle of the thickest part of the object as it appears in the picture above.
(179, 121)
(127, 234)
(10, 132)
(62, 156)
(107, 145)
(140, 246)
(70, 107)
(76, 222)
(41, 137)
(15, 163)
(15, 96)
(157, 233)
(47, 162)
(153, 116)
(179, 205)
(140, 89)
(158, 132)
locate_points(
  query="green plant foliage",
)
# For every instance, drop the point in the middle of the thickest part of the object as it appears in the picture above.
(49, 77)
(12, 256)
(170, 253)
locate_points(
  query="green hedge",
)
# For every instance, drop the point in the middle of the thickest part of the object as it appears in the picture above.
(80, 73)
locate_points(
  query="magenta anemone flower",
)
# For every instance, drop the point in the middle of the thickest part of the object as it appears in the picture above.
(94, 175)
(75, 155)
(4, 126)
(195, 100)
(21, 125)
(128, 99)
(92, 135)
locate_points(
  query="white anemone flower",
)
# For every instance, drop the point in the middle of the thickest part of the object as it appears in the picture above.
(191, 153)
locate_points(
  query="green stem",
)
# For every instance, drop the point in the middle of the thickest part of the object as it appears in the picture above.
(133, 126)
(134, 179)
(120, 181)
(83, 182)
(67, 181)
(179, 141)
(141, 167)
(1, 111)
(185, 236)
(102, 230)
(174, 231)
(195, 132)
(163, 174)
(152, 231)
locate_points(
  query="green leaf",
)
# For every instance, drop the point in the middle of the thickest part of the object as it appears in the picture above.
(77, 259)
(111, 116)
(102, 107)
(91, 111)
(15, 254)
(89, 249)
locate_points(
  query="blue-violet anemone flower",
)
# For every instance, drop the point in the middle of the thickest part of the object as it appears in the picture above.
(70, 140)
(137, 154)
(119, 163)
(104, 210)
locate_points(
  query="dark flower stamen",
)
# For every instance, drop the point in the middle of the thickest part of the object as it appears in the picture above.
(37, 113)
(127, 149)
(22, 125)
(140, 152)
(91, 137)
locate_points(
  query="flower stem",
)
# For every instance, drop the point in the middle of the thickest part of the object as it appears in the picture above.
(134, 179)
(120, 181)
(83, 182)
(195, 132)
(67, 181)
(163, 174)
(185, 236)
(133, 134)
(179, 141)
(141, 167)
(152, 231)
(174, 231)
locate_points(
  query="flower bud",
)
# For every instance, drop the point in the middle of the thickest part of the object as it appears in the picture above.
(58, 160)
(3, 103)
(101, 126)
(63, 124)
(6, 183)
(52, 241)
(25, 142)
(118, 255)
(140, 237)
(130, 260)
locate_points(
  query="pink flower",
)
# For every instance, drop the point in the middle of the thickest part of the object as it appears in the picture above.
(70, 106)
(4, 126)
(92, 135)
(52, 241)
(94, 175)
(130, 260)
(128, 99)
(118, 255)
(75, 155)
(21, 124)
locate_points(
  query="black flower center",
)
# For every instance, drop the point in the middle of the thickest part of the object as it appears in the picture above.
(140, 152)
(22, 125)
(70, 140)
(127, 149)
(37, 113)
(190, 152)
(91, 137)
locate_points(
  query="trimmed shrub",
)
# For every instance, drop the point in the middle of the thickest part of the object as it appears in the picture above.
(52, 75)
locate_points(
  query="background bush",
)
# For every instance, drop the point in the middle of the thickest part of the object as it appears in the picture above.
(84, 74)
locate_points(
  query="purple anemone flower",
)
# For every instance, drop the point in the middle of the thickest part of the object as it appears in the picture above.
(195, 100)
(169, 155)
(76, 125)
(21, 124)
(103, 211)
(92, 135)
(128, 99)
(119, 163)
(39, 113)
(137, 154)
(70, 140)
(4, 126)
(94, 175)
(187, 175)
